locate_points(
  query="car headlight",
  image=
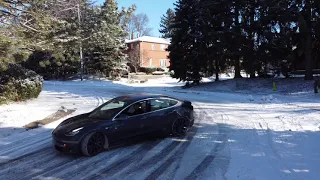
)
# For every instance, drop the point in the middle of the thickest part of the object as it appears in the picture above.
(74, 132)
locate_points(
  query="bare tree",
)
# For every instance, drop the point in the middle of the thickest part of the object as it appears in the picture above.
(137, 58)
(139, 24)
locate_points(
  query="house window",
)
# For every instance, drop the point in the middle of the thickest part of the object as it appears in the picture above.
(150, 62)
(153, 47)
(164, 63)
(163, 47)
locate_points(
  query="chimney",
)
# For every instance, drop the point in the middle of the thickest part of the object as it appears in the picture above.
(132, 36)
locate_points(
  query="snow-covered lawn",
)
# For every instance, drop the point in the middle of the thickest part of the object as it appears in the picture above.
(237, 135)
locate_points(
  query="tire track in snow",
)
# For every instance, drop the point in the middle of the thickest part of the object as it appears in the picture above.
(23, 151)
(201, 167)
(212, 155)
(203, 115)
(62, 162)
(215, 153)
(82, 163)
(49, 166)
(24, 146)
(178, 155)
(20, 141)
(20, 158)
(274, 158)
(158, 157)
(116, 167)
(63, 169)
(81, 170)
(32, 163)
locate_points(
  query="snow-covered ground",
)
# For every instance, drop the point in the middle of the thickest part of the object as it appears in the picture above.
(266, 135)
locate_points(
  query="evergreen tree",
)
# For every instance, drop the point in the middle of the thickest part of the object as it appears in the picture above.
(185, 50)
(166, 24)
(108, 42)
(308, 16)
(27, 25)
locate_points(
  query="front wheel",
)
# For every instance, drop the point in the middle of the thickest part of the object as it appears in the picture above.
(180, 127)
(93, 144)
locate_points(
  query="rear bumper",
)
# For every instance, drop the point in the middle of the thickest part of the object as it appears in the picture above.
(66, 146)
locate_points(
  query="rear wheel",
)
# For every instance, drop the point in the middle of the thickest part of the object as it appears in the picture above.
(93, 144)
(180, 127)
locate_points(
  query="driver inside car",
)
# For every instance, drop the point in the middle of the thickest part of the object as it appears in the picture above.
(138, 108)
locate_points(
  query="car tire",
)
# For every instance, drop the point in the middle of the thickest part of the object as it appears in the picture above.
(93, 144)
(180, 127)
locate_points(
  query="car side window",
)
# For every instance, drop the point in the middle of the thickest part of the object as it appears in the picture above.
(173, 102)
(157, 104)
(136, 109)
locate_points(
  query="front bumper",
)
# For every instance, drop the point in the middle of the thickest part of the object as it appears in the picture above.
(66, 146)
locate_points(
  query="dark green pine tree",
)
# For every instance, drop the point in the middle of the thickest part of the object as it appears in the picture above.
(308, 19)
(108, 41)
(185, 51)
(237, 37)
(166, 24)
(177, 48)
(215, 24)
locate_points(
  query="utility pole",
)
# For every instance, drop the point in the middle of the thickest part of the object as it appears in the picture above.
(80, 44)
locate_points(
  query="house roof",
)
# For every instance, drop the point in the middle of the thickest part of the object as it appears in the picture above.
(149, 39)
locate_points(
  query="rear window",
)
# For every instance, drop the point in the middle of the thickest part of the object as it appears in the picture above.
(173, 102)
(157, 104)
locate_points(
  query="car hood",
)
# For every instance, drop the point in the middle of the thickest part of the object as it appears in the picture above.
(77, 122)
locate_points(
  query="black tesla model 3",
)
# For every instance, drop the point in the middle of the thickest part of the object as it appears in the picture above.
(122, 118)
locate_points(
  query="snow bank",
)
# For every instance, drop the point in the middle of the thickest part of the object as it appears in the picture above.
(259, 86)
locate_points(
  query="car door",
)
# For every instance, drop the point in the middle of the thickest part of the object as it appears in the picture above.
(163, 112)
(132, 121)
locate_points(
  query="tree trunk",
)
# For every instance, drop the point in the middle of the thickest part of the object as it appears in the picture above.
(308, 58)
(316, 85)
(251, 56)
(252, 14)
(265, 69)
(237, 68)
(308, 51)
(238, 31)
(217, 70)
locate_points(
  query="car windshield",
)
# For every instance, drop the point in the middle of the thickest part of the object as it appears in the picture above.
(108, 110)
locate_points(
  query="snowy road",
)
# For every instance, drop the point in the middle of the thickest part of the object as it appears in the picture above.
(233, 138)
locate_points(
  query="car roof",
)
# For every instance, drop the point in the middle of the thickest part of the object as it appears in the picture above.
(137, 97)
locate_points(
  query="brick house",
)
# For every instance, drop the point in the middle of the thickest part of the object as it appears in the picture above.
(148, 51)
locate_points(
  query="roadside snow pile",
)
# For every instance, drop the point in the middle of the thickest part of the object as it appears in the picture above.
(158, 82)
(265, 99)
(18, 83)
(251, 98)
(259, 86)
(269, 99)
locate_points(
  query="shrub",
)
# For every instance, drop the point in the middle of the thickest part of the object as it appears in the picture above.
(3, 100)
(147, 70)
(18, 84)
(160, 69)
